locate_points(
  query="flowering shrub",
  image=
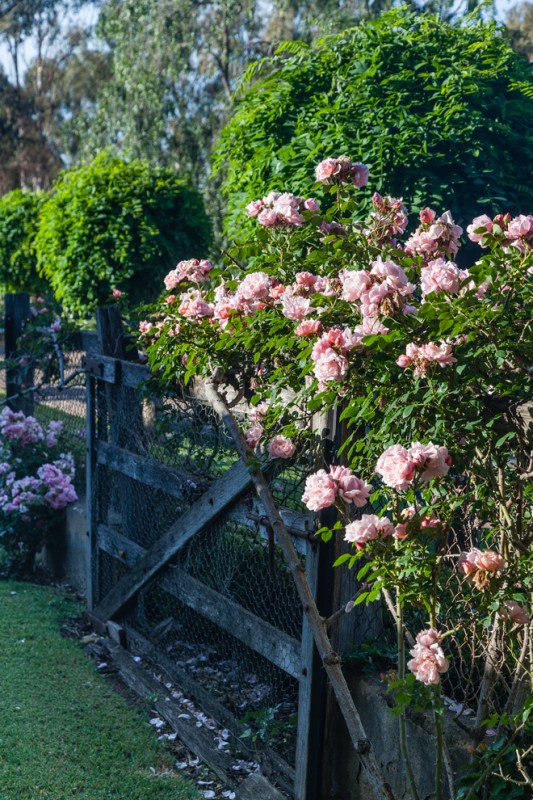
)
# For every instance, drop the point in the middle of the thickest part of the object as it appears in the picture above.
(35, 486)
(429, 366)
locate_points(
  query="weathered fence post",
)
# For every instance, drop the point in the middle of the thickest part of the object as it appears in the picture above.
(334, 588)
(17, 311)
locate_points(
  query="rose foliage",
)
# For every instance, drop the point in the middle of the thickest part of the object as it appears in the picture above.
(429, 367)
(35, 486)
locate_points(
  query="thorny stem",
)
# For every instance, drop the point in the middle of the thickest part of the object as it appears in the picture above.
(401, 676)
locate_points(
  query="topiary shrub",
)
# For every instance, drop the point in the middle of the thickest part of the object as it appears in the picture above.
(116, 225)
(19, 214)
(439, 113)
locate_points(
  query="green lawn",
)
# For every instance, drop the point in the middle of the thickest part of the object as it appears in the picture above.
(64, 733)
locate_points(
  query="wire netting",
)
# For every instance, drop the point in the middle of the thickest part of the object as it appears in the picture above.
(231, 565)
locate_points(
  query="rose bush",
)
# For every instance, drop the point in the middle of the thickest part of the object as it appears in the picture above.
(429, 366)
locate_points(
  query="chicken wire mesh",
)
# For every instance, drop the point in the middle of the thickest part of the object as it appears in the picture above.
(232, 561)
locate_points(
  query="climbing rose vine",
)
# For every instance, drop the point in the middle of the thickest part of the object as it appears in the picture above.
(427, 356)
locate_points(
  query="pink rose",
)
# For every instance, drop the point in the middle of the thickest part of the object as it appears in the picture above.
(489, 561)
(308, 327)
(171, 280)
(467, 562)
(359, 175)
(320, 491)
(517, 613)
(441, 276)
(428, 663)
(255, 286)
(327, 169)
(355, 283)
(258, 412)
(434, 460)
(428, 637)
(367, 528)
(253, 208)
(311, 204)
(519, 226)
(396, 467)
(482, 224)
(253, 434)
(331, 366)
(427, 215)
(267, 217)
(295, 307)
(351, 488)
(117, 294)
(281, 447)
(404, 361)
(306, 279)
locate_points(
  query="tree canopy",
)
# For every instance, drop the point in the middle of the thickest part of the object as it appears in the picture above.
(440, 113)
(116, 225)
(19, 215)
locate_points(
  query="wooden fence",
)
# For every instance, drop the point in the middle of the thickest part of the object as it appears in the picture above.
(182, 560)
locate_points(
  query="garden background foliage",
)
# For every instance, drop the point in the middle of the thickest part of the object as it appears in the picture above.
(116, 224)
(441, 114)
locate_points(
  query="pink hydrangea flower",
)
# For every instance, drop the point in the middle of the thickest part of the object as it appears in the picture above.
(367, 528)
(281, 447)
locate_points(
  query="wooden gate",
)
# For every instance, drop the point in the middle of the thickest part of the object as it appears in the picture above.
(182, 558)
